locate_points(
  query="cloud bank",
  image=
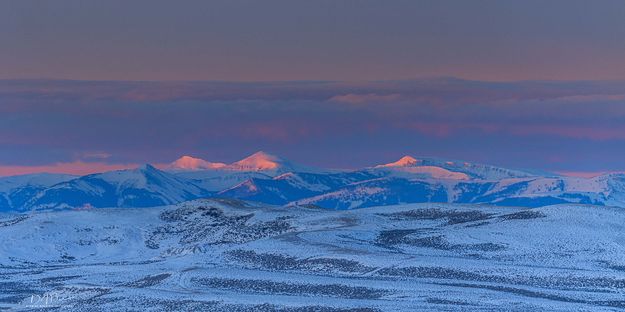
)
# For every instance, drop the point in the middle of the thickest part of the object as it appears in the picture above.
(563, 126)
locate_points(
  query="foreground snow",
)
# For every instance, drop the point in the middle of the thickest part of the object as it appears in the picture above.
(230, 255)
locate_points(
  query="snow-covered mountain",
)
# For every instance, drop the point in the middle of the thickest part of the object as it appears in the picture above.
(145, 186)
(411, 180)
(524, 192)
(258, 162)
(291, 186)
(269, 164)
(447, 169)
(216, 177)
(16, 191)
(273, 180)
(377, 192)
(259, 165)
(218, 180)
(192, 163)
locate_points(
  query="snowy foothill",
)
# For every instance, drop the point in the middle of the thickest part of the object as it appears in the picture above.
(233, 255)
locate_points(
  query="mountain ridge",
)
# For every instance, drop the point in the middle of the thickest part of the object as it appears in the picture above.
(274, 180)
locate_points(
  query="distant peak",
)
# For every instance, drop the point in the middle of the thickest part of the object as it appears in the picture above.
(146, 167)
(263, 155)
(192, 163)
(259, 161)
(405, 161)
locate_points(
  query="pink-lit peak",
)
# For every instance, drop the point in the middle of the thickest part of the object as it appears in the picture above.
(405, 161)
(192, 163)
(258, 161)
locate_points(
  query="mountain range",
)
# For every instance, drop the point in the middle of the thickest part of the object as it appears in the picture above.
(273, 180)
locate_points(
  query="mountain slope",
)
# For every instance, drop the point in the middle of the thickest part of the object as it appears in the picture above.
(377, 192)
(145, 186)
(218, 180)
(291, 186)
(16, 191)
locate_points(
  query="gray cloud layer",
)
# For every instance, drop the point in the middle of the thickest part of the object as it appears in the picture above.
(574, 126)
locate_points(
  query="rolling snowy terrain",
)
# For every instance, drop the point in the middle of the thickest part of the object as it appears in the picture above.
(231, 255)
(273, 180)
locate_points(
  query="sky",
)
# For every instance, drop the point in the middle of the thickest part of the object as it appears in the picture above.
(88, 86)
(349, 40)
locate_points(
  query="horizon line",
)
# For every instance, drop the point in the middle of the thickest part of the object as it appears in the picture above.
(423, 78)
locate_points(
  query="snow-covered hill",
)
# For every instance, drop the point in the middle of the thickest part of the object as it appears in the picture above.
(229, 255)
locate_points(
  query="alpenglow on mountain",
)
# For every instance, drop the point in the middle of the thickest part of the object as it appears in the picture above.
(270, 179)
